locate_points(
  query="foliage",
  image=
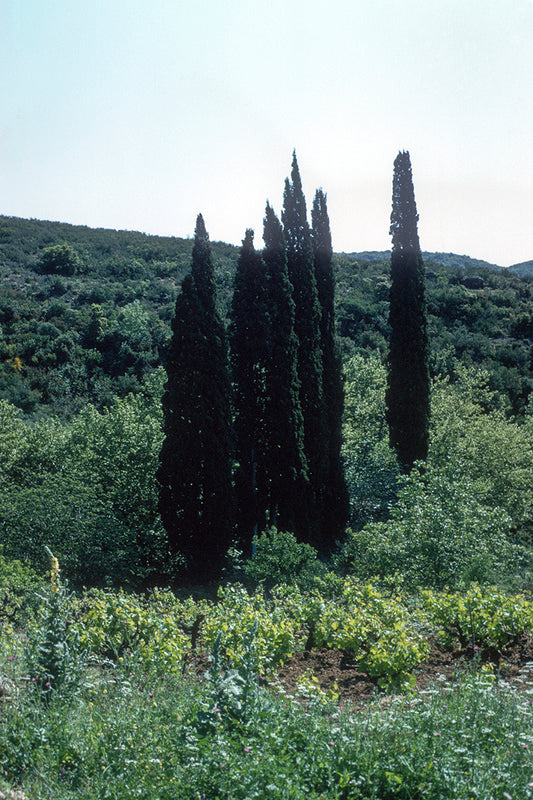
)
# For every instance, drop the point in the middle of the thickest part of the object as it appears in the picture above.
(375, 630)
(494, 453)
(232, 694)
(301, 268)
(482, 616)
(438, 535)
(333, 494)
(285, 458)
(249, 348)
(18, 583)
(118, 625)
(60, 259)
(67, 339)
(194, 475)
(408, 385)
(54, 655)
(370, 463)
(86, 488)
(235, 615)
(122, 740)
(46, 319)
(135, 728)
(280, 558)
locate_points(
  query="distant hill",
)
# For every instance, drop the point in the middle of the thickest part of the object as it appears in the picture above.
(524, 268)
(100, 327)
(451, 260)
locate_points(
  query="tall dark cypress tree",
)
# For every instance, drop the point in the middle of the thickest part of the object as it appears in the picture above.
(334, 496)
(300, 261)
(248, 335)
(194, 476)
(408, 375)
(285, 462)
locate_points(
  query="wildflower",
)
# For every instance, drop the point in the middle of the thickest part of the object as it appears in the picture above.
(216, 710)
(54, 574)
(437, 733)
(330, 744)
(11, 658)
(246, 749)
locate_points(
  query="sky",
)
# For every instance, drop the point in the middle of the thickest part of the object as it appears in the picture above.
(140, 114)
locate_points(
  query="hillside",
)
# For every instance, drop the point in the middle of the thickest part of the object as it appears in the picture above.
(97, 325)
(524, 268)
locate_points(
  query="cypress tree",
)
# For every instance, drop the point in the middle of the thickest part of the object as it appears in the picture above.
(194, 476)
(334, 497)
(408, 388)
(300, 261)
(248, 335)
(285, 461)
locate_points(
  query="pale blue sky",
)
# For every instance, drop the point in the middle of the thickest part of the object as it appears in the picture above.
(138, 114)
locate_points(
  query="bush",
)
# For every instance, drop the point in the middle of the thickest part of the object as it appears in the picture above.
(482, 617)
(18, 583)
(371, 466)
(60, 259)
(280, 558)
(438, 535)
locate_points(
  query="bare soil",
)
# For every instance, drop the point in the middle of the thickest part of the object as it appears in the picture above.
(333, 667)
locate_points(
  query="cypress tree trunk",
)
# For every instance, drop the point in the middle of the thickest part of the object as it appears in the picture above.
(248, 336)
(300, 261)
(285, 462)
(408, 386)
(194, 476)
(334, 500)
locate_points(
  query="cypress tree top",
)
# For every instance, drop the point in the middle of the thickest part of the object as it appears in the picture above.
(404, 216)
(202, 269)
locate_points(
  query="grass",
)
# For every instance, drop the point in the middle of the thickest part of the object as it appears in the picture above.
(76, 725)
(128, 734)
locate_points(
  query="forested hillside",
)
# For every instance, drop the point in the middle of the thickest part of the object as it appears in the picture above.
(85, 313)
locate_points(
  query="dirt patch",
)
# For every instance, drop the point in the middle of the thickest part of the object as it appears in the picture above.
(334, 668)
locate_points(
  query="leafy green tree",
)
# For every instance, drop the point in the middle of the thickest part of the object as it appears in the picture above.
(493, 452)
(371, 464)
(334, 501)
(300, 261)
(438, 535)
(285, 460)
(408, 380)
(59, 259)
(86, 489)
(195, 481)
(248, 337)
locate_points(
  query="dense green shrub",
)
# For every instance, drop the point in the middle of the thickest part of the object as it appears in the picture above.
(438, 534)
(371, 465)
(280, 558)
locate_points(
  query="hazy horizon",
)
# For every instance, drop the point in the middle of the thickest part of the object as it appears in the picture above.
(136, 116)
